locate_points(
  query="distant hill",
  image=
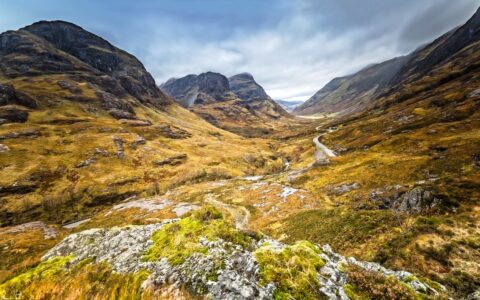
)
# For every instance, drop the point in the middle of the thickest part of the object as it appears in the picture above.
(351, 93)
(289, 106)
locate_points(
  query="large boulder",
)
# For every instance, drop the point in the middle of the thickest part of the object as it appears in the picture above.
(413, 201)
(12, 114)
(10, 96)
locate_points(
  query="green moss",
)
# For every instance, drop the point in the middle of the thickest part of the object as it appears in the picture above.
(50, 280)
(410, 278)
(350, 291)
(44, 270)
(178, 241)
(293, 269)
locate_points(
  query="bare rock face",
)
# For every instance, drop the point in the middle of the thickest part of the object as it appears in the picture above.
(171, 132)
(246, 88)
(414, 201)
(13, 114)
(4, 148)
(9, 96)
(120, 144)
(198, 89)
(172, 161)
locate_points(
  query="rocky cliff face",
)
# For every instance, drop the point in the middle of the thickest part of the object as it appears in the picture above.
(198, 89)
(246, 88)
(57, 47)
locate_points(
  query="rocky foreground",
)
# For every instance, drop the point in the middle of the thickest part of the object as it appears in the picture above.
(205, 256)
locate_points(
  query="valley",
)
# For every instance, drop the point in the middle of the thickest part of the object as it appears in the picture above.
(203, 187)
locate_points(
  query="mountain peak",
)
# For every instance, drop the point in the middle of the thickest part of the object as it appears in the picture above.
(245, 86)
(60, 47)
(245, 75)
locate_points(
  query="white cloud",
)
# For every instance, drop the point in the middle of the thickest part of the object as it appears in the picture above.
(291, 60)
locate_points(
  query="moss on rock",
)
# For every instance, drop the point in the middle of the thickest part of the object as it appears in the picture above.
(292, 268)
(178, 241)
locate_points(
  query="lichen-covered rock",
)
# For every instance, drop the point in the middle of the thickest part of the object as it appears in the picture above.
(221, 268)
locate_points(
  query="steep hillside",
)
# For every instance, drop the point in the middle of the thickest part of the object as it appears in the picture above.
(359, 91)
(246, 88)
(238, 104)
(352, 93)
(205, 88)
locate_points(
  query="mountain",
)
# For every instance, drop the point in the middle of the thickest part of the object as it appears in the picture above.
(57, 47)
(246, 88)
(238, 104)
(205, 88)
(289, 106)
(82, 123)
(347, 94)
(415, 140)
(359, 91)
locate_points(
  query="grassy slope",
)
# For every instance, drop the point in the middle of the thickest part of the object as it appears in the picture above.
(430, 129)
(70, 135)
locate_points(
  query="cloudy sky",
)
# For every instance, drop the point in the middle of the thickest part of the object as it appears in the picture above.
(292, 47)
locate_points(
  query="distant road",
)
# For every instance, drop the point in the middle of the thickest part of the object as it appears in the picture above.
(322, 148)
(322, 151)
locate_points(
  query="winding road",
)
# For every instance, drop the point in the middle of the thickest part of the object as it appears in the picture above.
(322, 152)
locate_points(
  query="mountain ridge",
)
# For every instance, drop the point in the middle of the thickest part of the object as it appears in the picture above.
(359, 91)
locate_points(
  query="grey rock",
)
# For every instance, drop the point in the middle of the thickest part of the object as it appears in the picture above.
(138, 141)
(246, 88)
(224, 271)
(70, 86)
(48, 232)
(120, 144)
(10, 96)
(474, 296)
(399, 198)
(343, 188)
(13, 114)
(476, 160)
(86, 162)
(29, 133)
(198, 89)
(171, 161)
(172, 132)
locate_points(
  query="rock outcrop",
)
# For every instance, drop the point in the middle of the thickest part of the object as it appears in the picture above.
(237, 104)
(414, 201)
(223, 269)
